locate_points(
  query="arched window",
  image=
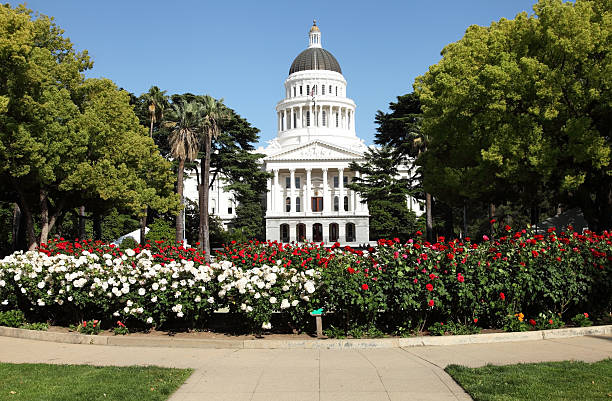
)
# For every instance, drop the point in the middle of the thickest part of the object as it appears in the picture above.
(336, 204)
(337, 119)
(333, 232)
(323, 117)
(350, 232)
(288, 204)
(346, 205)
(284, 232)
(308, 118)
(297, 204)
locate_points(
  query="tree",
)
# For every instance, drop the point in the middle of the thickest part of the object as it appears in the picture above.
(401, 130)
(215, 113)
(66, 141)
(521, 111)
(380, 186)
(184, 146)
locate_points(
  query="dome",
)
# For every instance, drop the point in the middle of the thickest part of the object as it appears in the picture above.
(315, 58)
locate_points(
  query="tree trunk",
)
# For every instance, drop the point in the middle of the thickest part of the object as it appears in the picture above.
(429, 217)
(143, 226)
(82, 233)
(491, 217)
(97, 226)
(16, 226)
(180, 223)
(44, 216)
(204, 230)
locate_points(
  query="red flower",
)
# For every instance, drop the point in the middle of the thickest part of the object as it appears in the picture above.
(431, 302)
(475, 320)
(550, 321)
(534, 254)
(351, 270)
(460, 278)
(429, 287)
(120, 324)
(364, 287)
(484, 237)
(532, 322)
(586, 315)
(502, 296)
(84, 324)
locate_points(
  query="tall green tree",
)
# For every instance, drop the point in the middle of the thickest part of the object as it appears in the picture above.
(66, 141)
(385, 192)
(521, 110)
(184, 146)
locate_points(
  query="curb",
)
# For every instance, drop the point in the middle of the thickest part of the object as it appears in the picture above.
(75, 338)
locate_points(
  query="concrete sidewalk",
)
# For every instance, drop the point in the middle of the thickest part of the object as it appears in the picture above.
(314, 374)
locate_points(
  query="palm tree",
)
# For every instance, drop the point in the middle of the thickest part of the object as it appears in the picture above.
(184, 146)
(157, 101)
(215, 114)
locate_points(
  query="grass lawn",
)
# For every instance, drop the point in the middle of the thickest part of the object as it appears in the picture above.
(83, 382)
(537, 381)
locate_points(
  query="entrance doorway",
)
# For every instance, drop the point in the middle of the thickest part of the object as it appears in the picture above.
(317, 232)
(284, 232)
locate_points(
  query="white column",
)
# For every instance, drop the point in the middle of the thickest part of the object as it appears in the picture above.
(269, 195)
(275, 192)
(292, 189)
(307, 202)
(326, 199)
(292, 232)
(341, 190)
(341, 232)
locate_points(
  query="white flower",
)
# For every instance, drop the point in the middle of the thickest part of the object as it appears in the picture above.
(284, 304)
(126, 309)
(5, 302)
(180, 314)
(285, 288)
(211, 300)
(154, 299)
(243, 306)
(198, 298)
(41, 285)
(115, 313)
(129, 303)
(149, 320)
(155, 286)
(266, 326)
(141, 291)
(130, 252)
(17, 277)
(295, 302)
(40, 302)
(70, 298)
(139, 310)
(257, 295)
(23, 290)
(249, 308)
(2, 283)
(309, 286)
(177, 294)
(272, 300)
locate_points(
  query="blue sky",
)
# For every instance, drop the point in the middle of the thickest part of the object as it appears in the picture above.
(241, 51)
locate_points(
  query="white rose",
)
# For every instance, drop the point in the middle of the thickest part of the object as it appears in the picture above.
(154, 299)
(243, 306)
(285, 304)
(257, 295)
(141, 291)
(180, 314)
(309, 286)
(211, 300)
(295, 302)
(130, 252)
(2, 283)
(126, 309)
(41, 285)
(285, 288)
(129, 303)
(272, 300)
(5, 302)
(70, 298)
(198, 298)
(149, 320)
(266, 326)
(155, 286)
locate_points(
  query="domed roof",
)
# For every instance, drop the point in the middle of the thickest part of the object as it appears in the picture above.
(315, 58)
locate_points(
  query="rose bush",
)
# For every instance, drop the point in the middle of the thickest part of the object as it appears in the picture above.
(392, 286)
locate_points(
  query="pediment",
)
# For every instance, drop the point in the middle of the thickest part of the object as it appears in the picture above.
(316, 150)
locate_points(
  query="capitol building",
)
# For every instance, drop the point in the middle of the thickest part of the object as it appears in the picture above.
(308, 197)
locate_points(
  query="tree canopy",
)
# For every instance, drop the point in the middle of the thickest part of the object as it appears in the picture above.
(522, 110)
(67, 141)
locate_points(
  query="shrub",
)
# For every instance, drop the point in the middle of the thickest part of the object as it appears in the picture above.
(161, 231)
(582, 320)
(129, 243)
(12, 318)
(88, 327)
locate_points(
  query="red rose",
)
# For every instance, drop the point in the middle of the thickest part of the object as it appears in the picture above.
(550, 321)
(475, 320)
(586, 315)
(460, 278)
(431, 302)
(532, 322)
(429, 287)
(351, 270)
(502, 296)
(364, 287)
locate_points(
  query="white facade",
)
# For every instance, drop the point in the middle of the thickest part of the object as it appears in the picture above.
(307, 197)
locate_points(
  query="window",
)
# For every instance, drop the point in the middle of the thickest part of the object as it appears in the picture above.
(300, 90)
(350, 232)
(336, 181)
(336, 206)
(307, 90)
(337, 120)
(297, 205)
(349, 121)
(323, 117)
(308, 118)
(317, 204)
(322, 89)
(294, 119)
(336, 91)
(346, 204)
(333, 232)
(288, 204)
(287, 182)
(297, 182)
(345, 180)
(229, 210)
(282, 121)
(284, 232)
(294, 91)
(421, 207)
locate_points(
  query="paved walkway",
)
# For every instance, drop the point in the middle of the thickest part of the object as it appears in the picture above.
(303, 374)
